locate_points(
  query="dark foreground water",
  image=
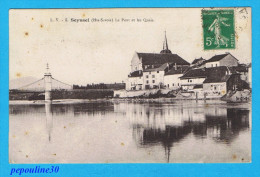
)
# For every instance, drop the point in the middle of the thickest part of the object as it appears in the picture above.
(121, 132)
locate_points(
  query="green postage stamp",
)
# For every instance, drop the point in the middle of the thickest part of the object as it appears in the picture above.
(218, 29)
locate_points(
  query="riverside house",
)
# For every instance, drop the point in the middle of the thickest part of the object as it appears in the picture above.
(213, 81)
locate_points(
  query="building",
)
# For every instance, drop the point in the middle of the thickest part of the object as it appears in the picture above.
(154, 77)
(221, 85)
(215, 80)
(172, 77)
(148, 69)
(194, 77)
(221, 60)
(135, 80)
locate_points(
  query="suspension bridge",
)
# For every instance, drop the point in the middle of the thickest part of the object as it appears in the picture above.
(46, 84)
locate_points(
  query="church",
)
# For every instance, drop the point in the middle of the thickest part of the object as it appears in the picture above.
(148, 69)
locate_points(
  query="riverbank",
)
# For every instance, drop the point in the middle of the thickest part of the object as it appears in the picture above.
(63, 94)
(196, 94)
(60, 96)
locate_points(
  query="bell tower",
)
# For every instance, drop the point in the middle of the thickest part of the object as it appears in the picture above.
(165, 45)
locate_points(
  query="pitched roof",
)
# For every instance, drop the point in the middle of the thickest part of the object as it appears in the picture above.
(195, 73)
(179, 70)
(155, 58)
(136, 74)
(217, 79)
(217, 57)
(215, 74)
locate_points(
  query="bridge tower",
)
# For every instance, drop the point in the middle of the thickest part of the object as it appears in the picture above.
(48, 84)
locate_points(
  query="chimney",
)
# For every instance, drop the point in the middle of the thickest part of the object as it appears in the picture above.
(175, 66)
(139, 71)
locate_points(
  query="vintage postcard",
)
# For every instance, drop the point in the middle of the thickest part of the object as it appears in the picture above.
(133, 85)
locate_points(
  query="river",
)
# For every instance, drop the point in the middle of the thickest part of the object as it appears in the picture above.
(117, 131)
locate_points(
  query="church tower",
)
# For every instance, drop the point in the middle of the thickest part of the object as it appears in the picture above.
(165, 46)
(47, 83)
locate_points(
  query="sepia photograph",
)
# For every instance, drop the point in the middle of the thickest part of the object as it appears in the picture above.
(130, 85)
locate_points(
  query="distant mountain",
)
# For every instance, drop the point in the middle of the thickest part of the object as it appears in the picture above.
(20, 82)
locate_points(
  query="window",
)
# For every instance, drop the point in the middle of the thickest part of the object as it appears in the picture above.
(153, 81)
(168, 85)
(178, 84)
(216, 65)
(147, 82)
(147, 76)
(172, 84)
(149, 72)
(157, 71)
(140, 77)
(190, 80)
(153, 76)
(211, 65)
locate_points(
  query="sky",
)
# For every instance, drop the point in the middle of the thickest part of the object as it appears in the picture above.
(101, 51)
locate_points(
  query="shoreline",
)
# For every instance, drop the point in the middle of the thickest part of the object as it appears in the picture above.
(116, 100)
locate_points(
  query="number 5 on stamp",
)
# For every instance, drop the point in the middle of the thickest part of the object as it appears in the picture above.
(218, 29)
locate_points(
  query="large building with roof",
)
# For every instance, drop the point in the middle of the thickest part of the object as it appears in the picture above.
(148, 69)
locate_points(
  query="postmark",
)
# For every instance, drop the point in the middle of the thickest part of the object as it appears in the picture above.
(218, 29)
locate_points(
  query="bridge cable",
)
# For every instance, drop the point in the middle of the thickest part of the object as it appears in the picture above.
(30, 83)
(60, 82)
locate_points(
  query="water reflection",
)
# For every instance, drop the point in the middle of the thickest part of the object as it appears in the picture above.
(73, 109)
(165, 125)
(150, 124)
(49, 119)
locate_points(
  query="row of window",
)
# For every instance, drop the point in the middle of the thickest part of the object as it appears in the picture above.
(153, 81)
(147, 76)
(212, 65)
(173, 85)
